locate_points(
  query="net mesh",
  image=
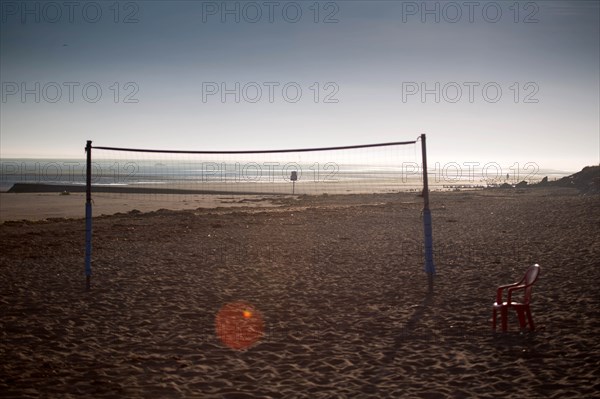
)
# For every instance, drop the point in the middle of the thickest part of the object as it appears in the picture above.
(372, 169)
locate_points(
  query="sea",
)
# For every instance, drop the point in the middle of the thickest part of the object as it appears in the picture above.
(267, 175)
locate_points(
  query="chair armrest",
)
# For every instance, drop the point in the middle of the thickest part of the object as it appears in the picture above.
(509, 285)
(510, 291)
(501, 288)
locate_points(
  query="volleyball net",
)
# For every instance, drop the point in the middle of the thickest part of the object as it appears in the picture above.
(174, 176)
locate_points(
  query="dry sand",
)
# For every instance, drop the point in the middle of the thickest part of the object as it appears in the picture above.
(339, 284)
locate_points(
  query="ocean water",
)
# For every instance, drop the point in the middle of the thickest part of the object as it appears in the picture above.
(263, 175)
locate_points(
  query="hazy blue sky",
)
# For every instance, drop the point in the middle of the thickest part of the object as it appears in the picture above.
(161, 68)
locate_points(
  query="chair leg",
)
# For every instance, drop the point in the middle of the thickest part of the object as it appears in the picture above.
(521, 315)
(504, 315)
(530, 319)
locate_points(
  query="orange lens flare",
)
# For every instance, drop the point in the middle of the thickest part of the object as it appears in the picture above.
(239, 325)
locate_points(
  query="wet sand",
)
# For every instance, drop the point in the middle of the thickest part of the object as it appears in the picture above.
(338, 282)
(41, 206)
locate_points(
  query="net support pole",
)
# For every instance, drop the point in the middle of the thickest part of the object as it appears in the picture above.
(88, 216)
(429, 266)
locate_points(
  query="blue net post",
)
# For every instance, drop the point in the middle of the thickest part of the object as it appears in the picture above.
(88, 216)
(429, 266)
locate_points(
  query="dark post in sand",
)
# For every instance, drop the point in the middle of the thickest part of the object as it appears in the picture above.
(293, 178)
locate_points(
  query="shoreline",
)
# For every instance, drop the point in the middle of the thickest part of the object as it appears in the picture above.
(19, 188)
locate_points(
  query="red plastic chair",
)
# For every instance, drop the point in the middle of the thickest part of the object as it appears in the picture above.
(522, 308)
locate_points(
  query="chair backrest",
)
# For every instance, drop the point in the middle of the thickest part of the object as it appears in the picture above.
(530, 278)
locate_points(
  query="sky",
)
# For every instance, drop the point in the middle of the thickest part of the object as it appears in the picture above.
(506, 82)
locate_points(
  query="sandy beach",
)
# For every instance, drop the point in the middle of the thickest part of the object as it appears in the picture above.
(337, 281)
